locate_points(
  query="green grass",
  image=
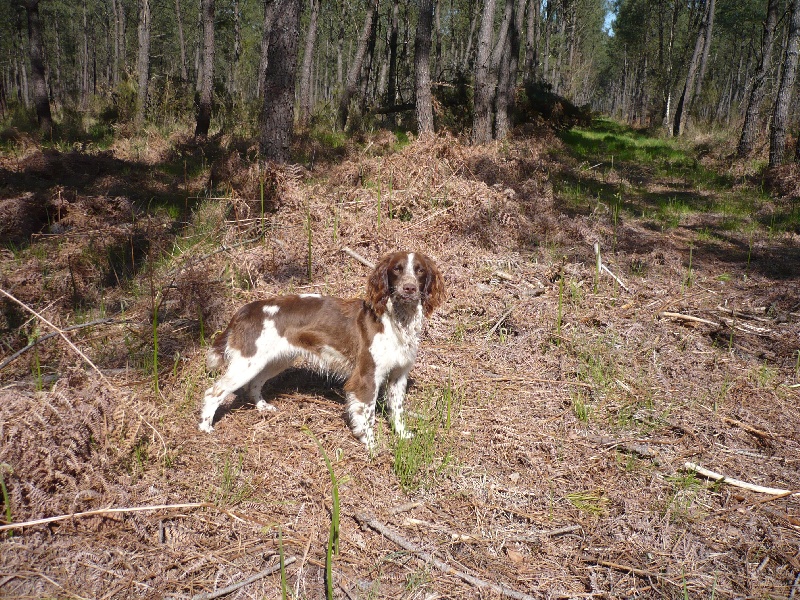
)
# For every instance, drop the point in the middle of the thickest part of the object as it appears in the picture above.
(418, 459)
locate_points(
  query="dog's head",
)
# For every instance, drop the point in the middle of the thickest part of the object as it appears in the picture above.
(408, 278)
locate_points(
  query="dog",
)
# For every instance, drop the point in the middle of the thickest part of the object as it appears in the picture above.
(368, 343)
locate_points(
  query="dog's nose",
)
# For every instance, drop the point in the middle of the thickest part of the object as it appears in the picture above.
(409, 288)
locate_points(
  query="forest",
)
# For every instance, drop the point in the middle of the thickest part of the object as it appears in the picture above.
(606, 403)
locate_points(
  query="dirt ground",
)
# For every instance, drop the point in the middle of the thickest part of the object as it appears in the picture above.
(556, 406)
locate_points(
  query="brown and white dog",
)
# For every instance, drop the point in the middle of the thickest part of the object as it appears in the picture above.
(368, 342)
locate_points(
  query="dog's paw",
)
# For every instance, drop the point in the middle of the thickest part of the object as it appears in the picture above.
(405, 434)
(206, 426)
(264, 406)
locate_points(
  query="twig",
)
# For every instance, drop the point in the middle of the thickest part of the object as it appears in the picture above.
(395, 537)
(405, 507)
(617, 279)
(682, 317)
(60, 332)
(39, 340)
(619, 567)
(690, 466)
(232, 588)
(102, 511)
(748, 428)
(358, 257)
(499, 322)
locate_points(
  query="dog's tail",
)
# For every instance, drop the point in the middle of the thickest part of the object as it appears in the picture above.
(215, 358)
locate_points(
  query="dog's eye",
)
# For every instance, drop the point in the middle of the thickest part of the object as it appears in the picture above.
(419, 270)
(397, 268)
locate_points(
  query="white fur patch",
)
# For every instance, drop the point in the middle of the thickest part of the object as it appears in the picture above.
(271, 310)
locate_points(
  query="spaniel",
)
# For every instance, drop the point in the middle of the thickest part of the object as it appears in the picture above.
(368, 343)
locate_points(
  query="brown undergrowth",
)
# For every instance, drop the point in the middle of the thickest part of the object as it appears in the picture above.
(545, 396)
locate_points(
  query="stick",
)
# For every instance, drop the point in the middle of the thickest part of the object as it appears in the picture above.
(617, 279)
(232, 588)
(22, 351)
(358, 257)
(366, 519)
(682, 317)
(737, 483)
(102, 511)
(748, 428)
(499, 321)
(61, 333)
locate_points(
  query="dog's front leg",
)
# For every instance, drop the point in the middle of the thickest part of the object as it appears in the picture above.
(395, 393)
(362, 393)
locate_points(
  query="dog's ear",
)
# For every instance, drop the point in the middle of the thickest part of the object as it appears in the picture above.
(378, 286)
(433, 294)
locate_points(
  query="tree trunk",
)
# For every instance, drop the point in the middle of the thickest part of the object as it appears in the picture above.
(532, 41)
(757, 91)
(41, 99)
(422, 68)
(684, 103)
(308, 56)
(143, 61)
(354, 70)
(706, 50)
(391, 93)
(484, 91)
(277, 113)
(207, 83)
(777, 137)
(233, 82)
(269, 17)
(507, 80)
(85, 61)
(181, 41)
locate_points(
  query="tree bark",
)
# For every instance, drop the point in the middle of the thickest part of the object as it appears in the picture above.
(422, 68)
(207, 82)
(85, 60)
(777, 137)
(143, 61)
(277, 113)
(532, 41)
(269, 17)
(41, 99)
(308, 57)
(391, 91)
(758, 89)
(484, 91)
(684, 103)
(354, 70)
(507, 79)
(181, 40)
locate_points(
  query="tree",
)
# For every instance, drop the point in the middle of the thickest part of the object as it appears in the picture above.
(269, 16)
(703, 41)
(41, 100)
(354, 72)
(777, 134)
(758, 89)
(422, 68)
(308, 56)
(207, 81)
(484, 92)
(143, 61)
(277, 112)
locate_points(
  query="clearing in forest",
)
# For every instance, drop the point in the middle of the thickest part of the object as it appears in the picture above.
(618, 306)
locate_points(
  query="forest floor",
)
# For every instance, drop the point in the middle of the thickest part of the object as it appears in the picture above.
(555, 406)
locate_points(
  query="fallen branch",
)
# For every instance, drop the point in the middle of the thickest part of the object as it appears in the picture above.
(682, 317)
(358, 257)
(39, 340)
(59, 332)
(748, 428)
(103, 511)
(619, 567)
(719, 478)
(232, 588)
(395, 537)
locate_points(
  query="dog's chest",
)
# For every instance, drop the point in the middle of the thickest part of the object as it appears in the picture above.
(396, 346)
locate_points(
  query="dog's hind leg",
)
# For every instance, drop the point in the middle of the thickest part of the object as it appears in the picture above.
(240, 372)
(272, 369)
